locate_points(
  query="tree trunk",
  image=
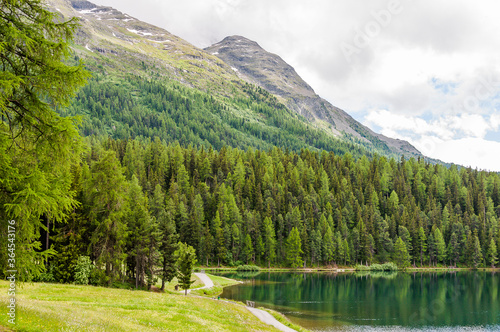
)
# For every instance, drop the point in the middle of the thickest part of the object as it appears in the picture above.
(163, 278)
(47, 237)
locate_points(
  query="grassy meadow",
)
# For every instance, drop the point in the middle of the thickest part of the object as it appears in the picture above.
(60, 307)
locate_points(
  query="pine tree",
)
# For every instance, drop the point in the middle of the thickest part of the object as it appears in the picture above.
(401, 256)
(492, 254)
(328, 246)
(169, 236)
(186, 258)
(143, 237)
(440, 246)
(453, 249)
(107, 204)
(477, 255)
(346, 257)
(247, 252)
(422, 244)
(269, 241)
(294, 249)
(404, 234)
(220, 247)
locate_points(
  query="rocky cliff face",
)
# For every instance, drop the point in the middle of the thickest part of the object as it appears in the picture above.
(257, 66)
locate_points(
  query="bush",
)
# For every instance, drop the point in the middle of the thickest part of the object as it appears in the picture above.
(98, 277)
(362, 268)
(251, 268)
(83, 270)
(377, 267)
(386, 267)
(47, 275)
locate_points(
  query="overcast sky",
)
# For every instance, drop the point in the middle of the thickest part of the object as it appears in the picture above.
(424, 71)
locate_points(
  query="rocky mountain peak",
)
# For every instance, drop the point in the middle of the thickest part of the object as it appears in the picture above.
(256, 65)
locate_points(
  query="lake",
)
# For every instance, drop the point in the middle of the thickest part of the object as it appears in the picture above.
(381, 301)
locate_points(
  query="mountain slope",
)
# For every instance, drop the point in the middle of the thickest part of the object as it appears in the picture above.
(257, 66)
(148, 82)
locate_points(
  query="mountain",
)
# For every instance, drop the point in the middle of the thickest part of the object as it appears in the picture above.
(257, 66)
(148, 82)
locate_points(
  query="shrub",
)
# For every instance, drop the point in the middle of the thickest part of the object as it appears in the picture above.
(47, 275)
(83, 270)
(377, 267)
(251, 268)
(362, 268)
(98, 277)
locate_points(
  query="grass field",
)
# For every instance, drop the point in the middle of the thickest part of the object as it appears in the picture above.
(58, 307)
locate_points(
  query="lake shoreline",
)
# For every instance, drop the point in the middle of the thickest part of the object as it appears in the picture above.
(409, 300)
(352, 269)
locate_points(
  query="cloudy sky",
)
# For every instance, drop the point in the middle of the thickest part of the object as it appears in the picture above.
(424, 71)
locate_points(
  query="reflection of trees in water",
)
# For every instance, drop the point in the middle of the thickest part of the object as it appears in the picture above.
(459, 298)
(376, 274)
(247, 275)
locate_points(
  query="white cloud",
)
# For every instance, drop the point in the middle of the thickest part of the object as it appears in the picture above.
(459, 139)
(474, 152)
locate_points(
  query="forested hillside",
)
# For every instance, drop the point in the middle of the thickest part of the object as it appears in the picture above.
(135, 106)
(138, 198)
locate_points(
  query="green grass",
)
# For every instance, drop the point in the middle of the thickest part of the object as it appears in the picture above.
(58, 307)
(219, 283)
(170, 286)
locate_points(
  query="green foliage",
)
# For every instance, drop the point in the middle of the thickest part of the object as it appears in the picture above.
(186, 258)
(247, 268)
(83, 270)
(47, 275)
(401, 256)
(37, 146)
(386, 267)
(294, 249)
(139, 197)
(133, 106)
(492, 253)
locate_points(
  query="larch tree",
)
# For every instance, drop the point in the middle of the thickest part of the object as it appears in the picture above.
(169, 237)
(269, 241)
(401, 256)
(248, 251)
(107, 205)
(37, 146)
(422, 244)
(440, 246)
(294, 249)
(492, 254)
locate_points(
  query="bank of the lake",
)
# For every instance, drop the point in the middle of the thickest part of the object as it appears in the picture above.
(377, 300)
(59, 307)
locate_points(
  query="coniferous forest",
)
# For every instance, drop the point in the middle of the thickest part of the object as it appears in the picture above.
(138, 198)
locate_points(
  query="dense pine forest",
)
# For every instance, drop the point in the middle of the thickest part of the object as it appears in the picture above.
(129, 106)
(138, 198)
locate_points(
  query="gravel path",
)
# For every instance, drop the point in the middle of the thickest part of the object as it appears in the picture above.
(260, 314)
(205, 279)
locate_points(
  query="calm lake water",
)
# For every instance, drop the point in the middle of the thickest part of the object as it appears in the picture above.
(377, 301)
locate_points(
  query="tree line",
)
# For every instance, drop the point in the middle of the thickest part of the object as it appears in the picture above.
(139, 198)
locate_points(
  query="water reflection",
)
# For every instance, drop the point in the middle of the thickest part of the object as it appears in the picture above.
(353, 300)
